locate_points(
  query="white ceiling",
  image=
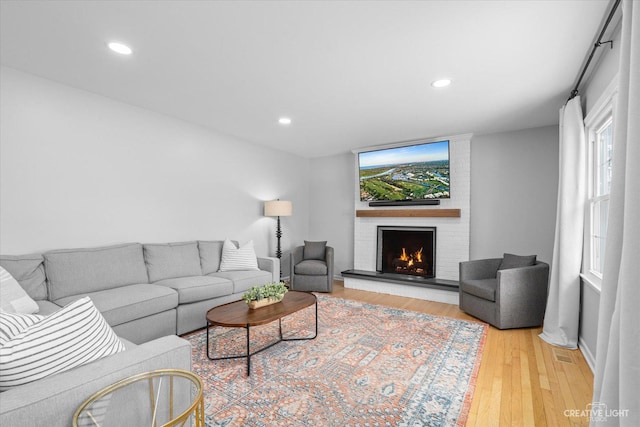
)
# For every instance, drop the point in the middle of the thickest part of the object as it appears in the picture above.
(350, 74)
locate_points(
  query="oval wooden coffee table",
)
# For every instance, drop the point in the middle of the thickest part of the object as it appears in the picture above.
(239, 315)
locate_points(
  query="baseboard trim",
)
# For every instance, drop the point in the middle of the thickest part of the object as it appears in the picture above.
(588, 356)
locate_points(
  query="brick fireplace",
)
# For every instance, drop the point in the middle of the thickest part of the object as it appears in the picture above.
(450, 248)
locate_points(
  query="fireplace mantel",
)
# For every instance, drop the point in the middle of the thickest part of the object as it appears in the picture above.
(408, 213)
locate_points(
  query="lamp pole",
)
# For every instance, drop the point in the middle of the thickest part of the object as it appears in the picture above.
(278, 236)
(278, 208)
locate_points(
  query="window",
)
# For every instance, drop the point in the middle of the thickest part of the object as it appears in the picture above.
(599, 132)
(601, 144)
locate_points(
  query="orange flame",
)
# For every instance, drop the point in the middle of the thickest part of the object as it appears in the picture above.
(418, 255)
(415, 257)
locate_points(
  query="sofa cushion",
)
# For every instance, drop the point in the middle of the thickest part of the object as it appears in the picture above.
(73, 336)
(47, 307)
(210, 255)
(13, 298)
(81, 271)
(28, 270)
(243, 280)
(482, 288)
(311, 267)
(169, 260)
(314, 250)
(127, 303)
(198, 288)
(238, 258)
(516, 261)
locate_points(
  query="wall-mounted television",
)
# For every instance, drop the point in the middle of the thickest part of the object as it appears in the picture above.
(412, 172)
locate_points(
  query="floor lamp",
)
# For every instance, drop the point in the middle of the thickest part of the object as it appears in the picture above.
(278, 208)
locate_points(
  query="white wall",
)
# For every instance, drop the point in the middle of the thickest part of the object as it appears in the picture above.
(331, 210)
(602, 72)
(514, 191)
(79, 169)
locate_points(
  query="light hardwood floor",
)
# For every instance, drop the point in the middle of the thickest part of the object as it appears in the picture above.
(523, 381)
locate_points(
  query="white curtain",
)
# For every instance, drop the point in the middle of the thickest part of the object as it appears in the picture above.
(617, 376)
(563, 304)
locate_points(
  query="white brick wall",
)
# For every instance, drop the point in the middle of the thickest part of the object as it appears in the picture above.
(452, 234)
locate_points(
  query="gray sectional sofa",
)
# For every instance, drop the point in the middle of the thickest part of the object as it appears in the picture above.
(145, 292)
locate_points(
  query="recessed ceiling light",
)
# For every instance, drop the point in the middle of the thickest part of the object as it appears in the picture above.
(284, 120)
(441, 83)
(120, 48)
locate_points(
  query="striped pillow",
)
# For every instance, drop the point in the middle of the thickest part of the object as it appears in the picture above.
(242, 258)
(72, 336)
(11, 324)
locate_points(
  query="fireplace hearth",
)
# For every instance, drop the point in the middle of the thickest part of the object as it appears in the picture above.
(406, 251)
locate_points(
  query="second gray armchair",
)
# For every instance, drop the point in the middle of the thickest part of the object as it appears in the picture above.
(312, 267)
(509, 292)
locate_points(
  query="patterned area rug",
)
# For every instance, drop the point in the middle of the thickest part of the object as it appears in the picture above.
(369, 366)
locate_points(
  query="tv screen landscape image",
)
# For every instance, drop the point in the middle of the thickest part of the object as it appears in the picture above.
(412, 172)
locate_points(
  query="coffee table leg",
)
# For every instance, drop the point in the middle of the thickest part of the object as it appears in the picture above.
(248, 353)
(316, 319)
(307, 338)
(208, 324)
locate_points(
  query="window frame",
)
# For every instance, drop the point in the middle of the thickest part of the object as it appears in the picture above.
(603, 111)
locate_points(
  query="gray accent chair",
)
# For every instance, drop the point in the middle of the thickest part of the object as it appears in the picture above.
(506, 298)
(311, 274)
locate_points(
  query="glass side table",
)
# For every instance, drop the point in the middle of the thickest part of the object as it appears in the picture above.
(165, 397)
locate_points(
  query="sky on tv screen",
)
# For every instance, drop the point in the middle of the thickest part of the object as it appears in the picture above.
(428, 152)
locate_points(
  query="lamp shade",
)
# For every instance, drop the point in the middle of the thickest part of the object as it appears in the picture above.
(278, 208)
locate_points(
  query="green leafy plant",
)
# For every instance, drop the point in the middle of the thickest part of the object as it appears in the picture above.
(270, 290)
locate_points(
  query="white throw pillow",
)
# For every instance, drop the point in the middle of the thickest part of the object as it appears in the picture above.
(14, 299)
(72, 336)
(242, 258)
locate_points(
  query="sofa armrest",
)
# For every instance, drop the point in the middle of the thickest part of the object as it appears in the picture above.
(521, 295)
(52, 401)
(328, 256)
(272, 265)
(296, 256)
(529, 280)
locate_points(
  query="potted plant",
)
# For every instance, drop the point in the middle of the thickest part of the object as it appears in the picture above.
(259, 296)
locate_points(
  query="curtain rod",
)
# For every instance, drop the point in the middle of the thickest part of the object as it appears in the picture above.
(598, 43)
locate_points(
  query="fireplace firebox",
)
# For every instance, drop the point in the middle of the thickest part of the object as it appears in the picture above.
(407, 250)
